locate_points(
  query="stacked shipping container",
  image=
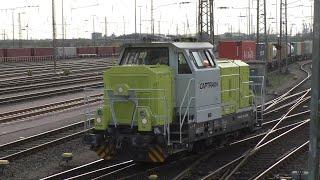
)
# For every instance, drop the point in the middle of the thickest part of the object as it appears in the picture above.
(241, 50)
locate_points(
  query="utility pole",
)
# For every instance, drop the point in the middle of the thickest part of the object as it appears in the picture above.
(124, 26)
(12, 28)
(105, 28)
(283, 32)
(93, 33)
(135, 21)
(140, 19)
(286, 35)
(262, 30)
(62, 20)
(20, 30)
(152, 23)
(206, 20)
(315, 98)
(54, 37)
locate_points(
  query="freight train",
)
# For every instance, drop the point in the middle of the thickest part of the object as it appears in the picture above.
(165, 98)
(249, 50)
(62, 52)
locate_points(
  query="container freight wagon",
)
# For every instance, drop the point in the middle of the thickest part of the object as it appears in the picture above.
(66, 52)
(3, 53)
(45, 52)
(241, 50)
(87, 50)
(307, 49)
(19, 52)
(105, 51)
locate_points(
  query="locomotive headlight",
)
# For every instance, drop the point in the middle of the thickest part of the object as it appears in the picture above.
(98, 120)
(120, 89)
(144, 121)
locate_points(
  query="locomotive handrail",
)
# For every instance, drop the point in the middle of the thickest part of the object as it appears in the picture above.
(182, 102)
(184, 117)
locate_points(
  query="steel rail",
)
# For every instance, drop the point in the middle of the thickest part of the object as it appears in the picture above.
(47, 108)
(276, 100)
(24, 151)
(208, 154)
(81, 168)
(215, 172)
(253, 150)
(58, 91)
(48, 84)
(281, 160)
(49, 69)
(285, 105)
(103, 169)
(43, 78)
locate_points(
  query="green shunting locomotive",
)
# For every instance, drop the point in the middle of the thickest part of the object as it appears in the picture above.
(164, 98)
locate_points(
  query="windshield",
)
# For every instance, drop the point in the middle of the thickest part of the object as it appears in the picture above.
(146, 55)
(202, 59)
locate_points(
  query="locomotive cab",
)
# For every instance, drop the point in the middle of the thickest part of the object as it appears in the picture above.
(164, 98)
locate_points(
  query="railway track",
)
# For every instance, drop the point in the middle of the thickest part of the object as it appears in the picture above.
(48, 93)
(274, 102)
(21, 114)
(11, 90)
(269, 152)
(11, 75)
(21, 81)
(29, 145)
(49, 67)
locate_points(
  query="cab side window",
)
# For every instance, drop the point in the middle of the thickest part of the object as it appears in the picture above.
(183, 67)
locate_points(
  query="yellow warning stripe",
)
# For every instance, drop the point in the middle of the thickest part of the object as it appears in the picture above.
(160, 149)
(158, 155)
(101, 149)
(102, 155)
(151, 156)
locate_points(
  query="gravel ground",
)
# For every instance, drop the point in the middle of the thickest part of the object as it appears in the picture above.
(31, 126)
(294, 70)
(46, 162)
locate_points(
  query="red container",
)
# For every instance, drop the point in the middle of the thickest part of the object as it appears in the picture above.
(104, 51)
(241, 50)
(2, 52)
(86, 50)
(42, 51)
(18, 52)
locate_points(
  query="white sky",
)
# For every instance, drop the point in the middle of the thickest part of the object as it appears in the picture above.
(79, 21)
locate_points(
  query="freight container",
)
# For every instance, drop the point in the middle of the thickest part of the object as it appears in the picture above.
(86, 50)
(2, 52)
(272, 52)
(308, 48)
(42, 51)
(297, 48)
(285, 51)
(303, 49)
(19, 52)
(241, 50)
(105, 51)
(66, 52)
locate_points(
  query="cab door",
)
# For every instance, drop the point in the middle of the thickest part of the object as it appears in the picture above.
(207, 86)
(184, 83)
